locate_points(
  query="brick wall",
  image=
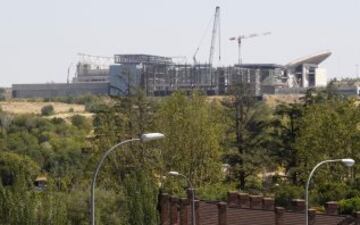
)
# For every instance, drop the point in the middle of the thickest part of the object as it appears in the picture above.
(245, 209)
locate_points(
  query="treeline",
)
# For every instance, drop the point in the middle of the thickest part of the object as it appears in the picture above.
(232, 143)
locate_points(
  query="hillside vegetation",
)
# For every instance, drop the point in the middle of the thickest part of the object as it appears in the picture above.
(202, 134)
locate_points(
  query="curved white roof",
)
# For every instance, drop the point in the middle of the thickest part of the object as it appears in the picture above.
(311, 59)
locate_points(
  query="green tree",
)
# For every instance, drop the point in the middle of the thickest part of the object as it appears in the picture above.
(13, 165)
(193, 136)
(247, 134)
(141, 197)
(128, 117)
(329, 130)
(284, 132)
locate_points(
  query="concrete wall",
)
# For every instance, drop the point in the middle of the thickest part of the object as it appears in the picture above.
(58, 90)
(124, 79)
(348, 91)
(321, 77)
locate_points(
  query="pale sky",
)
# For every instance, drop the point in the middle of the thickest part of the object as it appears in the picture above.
(39, 39)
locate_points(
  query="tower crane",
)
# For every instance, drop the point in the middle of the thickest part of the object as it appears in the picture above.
(215, 31)
(241, 37)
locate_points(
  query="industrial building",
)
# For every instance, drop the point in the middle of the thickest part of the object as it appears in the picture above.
(159, 76)
(51, 90)
(305, 72)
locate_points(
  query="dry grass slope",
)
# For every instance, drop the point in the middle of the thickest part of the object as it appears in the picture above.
(24, 107)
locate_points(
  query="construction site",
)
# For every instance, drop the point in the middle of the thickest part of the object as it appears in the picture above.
(123, 74)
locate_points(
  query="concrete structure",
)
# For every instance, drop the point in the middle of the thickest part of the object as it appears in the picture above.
(87, 73)
(123, 80)
(305, 72)
(5, 93)
(349, 91)
(56, 90)
(261, 78)
(159, 76)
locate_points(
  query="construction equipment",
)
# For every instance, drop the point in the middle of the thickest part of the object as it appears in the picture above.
(241, 37)
(215, 31)
(68, 73)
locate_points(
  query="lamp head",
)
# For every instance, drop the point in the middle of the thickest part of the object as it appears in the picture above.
(348, 162)
(174, 173)
(151, 137)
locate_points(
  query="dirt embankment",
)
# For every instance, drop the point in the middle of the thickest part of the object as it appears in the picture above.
(23, 107)
(274, 100)
(61, 110)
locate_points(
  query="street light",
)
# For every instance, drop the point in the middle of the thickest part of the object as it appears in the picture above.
(143, 138)
(175, 173)
(346, 162)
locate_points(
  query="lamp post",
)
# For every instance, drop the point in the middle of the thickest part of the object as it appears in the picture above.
(143, 138)
(346, 162)
(175, 173)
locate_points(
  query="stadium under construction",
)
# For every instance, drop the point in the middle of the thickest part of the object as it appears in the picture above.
(160, 76)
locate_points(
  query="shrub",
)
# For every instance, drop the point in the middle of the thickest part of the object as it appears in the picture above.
(254, 185)
(57, 121)
(47, 110)
(348, 206)
(81, 122)
(284, 193)
(330, 191)
(14, 167)
(216, 191)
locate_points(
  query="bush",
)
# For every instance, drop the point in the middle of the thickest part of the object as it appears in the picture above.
(254, 185)
(215, 192)
(81, 122)
(284, 193)
(330, 192)
(47, 110)
(14, 167)
(348, 206)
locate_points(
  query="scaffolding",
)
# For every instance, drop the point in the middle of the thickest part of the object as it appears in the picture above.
(159, 76)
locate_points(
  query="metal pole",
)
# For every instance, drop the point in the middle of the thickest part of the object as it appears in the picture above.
(97, 172)
(239, 53)
(192, 199)
(307, 187)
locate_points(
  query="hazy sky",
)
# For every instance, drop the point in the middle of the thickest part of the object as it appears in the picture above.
(40, 38)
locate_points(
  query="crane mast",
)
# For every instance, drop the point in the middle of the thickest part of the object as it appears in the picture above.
(241, 37)
(215, 30)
